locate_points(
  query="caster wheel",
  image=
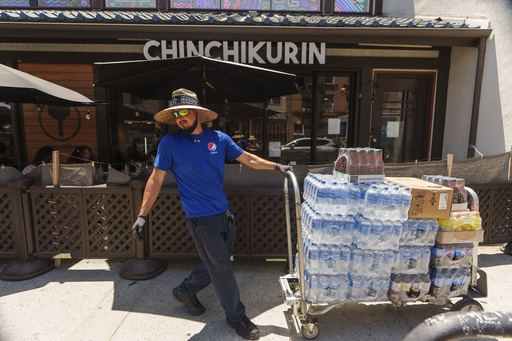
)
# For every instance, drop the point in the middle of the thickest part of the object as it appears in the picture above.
(310, 334)
(467, 304)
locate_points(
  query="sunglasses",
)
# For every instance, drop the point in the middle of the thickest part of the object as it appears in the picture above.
(182, 112)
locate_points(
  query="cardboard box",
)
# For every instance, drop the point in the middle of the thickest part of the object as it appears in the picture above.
(460, 237)
(429, 200)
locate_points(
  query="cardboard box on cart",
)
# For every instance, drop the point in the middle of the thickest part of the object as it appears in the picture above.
(429, 200)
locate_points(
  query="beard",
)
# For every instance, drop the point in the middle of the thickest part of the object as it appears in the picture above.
(189, 130)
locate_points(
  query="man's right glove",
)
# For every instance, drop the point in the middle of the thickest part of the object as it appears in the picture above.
(138, 227)
(283, 168)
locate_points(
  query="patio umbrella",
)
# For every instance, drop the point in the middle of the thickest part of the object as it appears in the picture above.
(213, 80)
(20, 87)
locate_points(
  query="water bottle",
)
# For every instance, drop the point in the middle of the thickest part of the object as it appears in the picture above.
(387, 262)
(317, 227)
(343, 288)
(421, 232)
(342, 205)
(395, 200)
(404, 236)
(371, 202)
(324, 290)
(424, 259)
(383, 203)
(313, 256)
(386, 240)
(375, 289)
(414, 260)
(344, 260)
(405, 203)
(313, 288)
(367, 262)
(363, 188)
(397, 233)
(377, 264)
(354, 292)
(353, 198)
(348, 236)
(356, 263)
(432, 232)
(362, 238)
(376, 233)
(322, 197)
(324, 258)
(331, 229)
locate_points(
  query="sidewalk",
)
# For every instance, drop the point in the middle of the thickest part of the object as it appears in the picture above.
(88, 300)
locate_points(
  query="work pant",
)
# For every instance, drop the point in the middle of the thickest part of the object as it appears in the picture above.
(214, 237)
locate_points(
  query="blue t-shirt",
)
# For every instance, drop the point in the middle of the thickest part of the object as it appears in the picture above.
(197, 162)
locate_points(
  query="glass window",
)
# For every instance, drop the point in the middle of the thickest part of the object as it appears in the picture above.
(7, 150)
(352, 6)
(14, 3)
(130, 3)
(251, 5)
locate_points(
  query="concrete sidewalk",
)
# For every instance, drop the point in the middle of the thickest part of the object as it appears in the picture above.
(87, 300)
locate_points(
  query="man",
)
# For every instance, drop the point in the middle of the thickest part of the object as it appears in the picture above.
(196, 157)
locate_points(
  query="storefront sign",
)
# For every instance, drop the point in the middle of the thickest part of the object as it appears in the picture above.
(247, 52)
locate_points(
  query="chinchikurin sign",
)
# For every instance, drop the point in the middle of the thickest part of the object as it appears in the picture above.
(249, 52)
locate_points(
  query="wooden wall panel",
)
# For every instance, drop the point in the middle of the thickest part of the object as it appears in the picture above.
(42, 129)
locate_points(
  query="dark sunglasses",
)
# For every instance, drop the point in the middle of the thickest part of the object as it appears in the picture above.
(182, 112)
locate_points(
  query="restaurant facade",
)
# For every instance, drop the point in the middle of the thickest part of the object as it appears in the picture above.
(410, 85)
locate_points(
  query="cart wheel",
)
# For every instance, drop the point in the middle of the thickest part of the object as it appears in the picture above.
(310, 334)
(467, 304)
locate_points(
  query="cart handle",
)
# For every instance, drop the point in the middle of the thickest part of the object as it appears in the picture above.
(300, 249)
(457, 325)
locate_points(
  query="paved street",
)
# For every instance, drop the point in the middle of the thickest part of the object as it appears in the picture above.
(87, 300)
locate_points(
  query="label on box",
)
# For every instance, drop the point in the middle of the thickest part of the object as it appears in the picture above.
(360, 178)
(443, 201)
(460, 207)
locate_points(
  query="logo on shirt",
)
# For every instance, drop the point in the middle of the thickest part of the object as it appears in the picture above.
(212, 147)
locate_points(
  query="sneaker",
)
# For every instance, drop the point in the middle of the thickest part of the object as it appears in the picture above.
(246, 329)
(194, 307)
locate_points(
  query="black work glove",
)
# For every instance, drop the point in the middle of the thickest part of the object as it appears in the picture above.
(138, 227)
(283, 168)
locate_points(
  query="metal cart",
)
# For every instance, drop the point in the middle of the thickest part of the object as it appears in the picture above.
(294, 286)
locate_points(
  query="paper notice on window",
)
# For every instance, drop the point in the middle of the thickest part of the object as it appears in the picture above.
(333, 126)
(274, 149)
(393, 129)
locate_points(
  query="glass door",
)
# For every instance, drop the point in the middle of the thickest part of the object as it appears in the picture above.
(402, 115)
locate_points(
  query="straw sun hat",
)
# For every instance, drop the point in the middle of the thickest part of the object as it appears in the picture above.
(184, 99)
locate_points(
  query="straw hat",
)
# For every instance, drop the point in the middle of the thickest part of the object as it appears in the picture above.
(184, 99)
(238, 135)
(251, 138)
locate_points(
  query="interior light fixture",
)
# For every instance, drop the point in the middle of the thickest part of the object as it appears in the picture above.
(87, 114)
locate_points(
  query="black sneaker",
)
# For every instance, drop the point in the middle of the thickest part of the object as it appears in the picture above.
(246, 329)
(193, 305)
